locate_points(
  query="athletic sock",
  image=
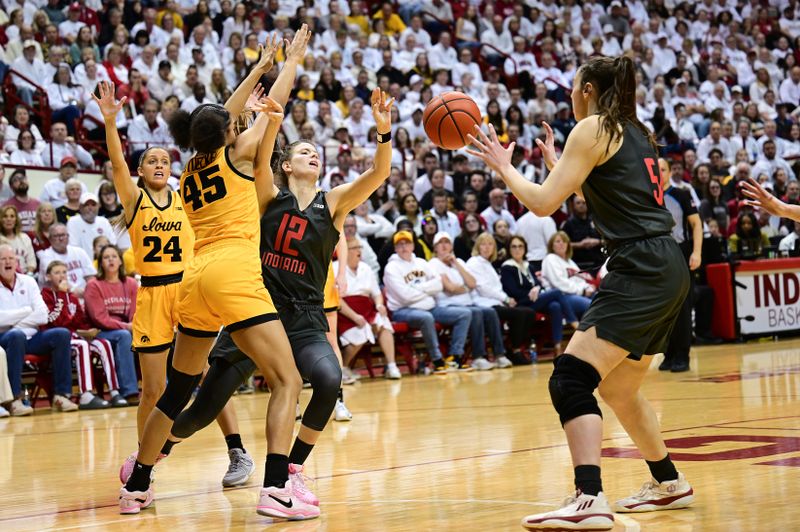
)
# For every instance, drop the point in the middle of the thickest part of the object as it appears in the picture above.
(140, 477)
(587, 479)
(86, 398)
(234, 441)
(276, 471)
(168, 447)
(339, 396)
(663, 470)
(300, 452)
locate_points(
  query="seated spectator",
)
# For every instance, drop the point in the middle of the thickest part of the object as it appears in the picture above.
(374, 227)
(114, 64)
(409, 210)
(747, 242)
(128, 260)
(410, 289)
(45, 217)
(6, 395)
(457, 285)
(148, 129)
(368, 255)
(429, 226)
(560, 271)
(11, 235)
(87, 225)
(489, 293)
(79, 267)
(62, 147)
(109, 203)
(584, 236)
(26, 153)
(497, 210)
(446, 220)
(22, 311)
(521, 283)
(788, 243)
(26, 207)
(464, 244)
(362, 315)
(73, 190)
(713, 205)
(65, 310)
(110, 304)
(22, 122)
(437, 182)
(502, 239)
(64, 97)
(386, 252)
(31, 68)
(135, 90)
(163, 84)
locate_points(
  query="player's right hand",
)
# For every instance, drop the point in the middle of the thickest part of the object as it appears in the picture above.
(109, 106)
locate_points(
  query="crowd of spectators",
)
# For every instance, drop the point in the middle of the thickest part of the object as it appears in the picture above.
(718, 83)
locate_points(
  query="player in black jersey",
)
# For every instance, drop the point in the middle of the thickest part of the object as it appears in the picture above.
(611, 160)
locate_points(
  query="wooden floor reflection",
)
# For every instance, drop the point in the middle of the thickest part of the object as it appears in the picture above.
(474, 451)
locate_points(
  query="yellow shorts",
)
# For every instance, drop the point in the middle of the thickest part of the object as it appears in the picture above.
(155, 318)
(331, 292)
(222, 286)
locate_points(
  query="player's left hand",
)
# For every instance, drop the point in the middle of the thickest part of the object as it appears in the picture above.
(270, 106)
(267, 54)
(490, 151)
(694, 261)
(382, 111)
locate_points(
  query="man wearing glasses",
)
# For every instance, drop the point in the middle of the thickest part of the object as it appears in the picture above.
(79, 266)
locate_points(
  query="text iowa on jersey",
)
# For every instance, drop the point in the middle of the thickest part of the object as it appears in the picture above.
(156, 225)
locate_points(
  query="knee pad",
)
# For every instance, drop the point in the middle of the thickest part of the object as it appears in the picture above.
(178, 392)
(572, 386)
(326, 379)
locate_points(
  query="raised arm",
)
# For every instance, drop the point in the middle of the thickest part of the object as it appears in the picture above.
(271, 114)
(345, 198)
(295, 53)
(581, 153)
(127, 190)
(235, 104)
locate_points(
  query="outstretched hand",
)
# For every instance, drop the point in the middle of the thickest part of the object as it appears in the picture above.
(267, 54)
(254, 97)
(548, 146)
(490, 151)
(273, 109)
(381, 110)
(761, 198)
(296, 50)
(109, 106)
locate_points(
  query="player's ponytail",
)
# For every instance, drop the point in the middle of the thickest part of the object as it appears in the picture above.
(614, 79)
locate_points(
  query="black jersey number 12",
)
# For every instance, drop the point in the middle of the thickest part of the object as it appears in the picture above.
(210, 189)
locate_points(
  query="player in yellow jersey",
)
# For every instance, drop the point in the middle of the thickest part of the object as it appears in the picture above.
(222, 286)
(163, 243)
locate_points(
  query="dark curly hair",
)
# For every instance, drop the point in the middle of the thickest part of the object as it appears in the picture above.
(203, 130)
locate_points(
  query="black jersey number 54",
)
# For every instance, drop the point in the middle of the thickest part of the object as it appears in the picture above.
(210, 188)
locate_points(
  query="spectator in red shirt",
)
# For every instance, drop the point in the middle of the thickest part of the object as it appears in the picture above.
(110, 303)
(135, 90)
(65, 310)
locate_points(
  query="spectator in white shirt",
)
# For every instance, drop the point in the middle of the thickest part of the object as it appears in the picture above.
(743, 140)
(162, 85)
(611, 47)
(446, 221)
(68, 30)
(79, 266)
(53, 191)
(790, 88)
(85, 228)
(368, 255)
(146, 64)
(32, 68)
(497, 211)
(442, 54)
(499, 38)
(26, 153)
(362, 315)
(22, 122)
(423, 39)
(520, 61)
(358, 123)
(714, 140)
(789, 242)
(373, 225)
(536, 230)
(88, 74)
(62, 146)
(561, 272)
(22, 312)
(158, 37)
(664, 56)
(64, 97)
(197, 98)
(771, 162)
(148, 129)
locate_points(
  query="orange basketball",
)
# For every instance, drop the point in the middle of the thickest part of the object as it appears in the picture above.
(449, 118)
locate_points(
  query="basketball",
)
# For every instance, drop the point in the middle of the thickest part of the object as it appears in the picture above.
(449, 118)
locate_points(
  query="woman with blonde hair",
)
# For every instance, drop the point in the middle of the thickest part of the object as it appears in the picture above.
(45, 217)
(11, 234)
(560, 271)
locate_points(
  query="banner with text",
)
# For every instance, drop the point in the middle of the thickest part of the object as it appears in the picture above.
(772, 298)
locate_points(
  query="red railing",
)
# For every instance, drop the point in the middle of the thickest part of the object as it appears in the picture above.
(42, 111)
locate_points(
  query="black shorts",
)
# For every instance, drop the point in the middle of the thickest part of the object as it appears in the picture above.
(309, 345)
(639, 300)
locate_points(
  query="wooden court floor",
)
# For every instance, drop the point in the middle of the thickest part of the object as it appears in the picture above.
(473, 451)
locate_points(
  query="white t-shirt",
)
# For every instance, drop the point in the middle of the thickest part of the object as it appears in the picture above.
(79, 265)
(82, 234)
(444, 299)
